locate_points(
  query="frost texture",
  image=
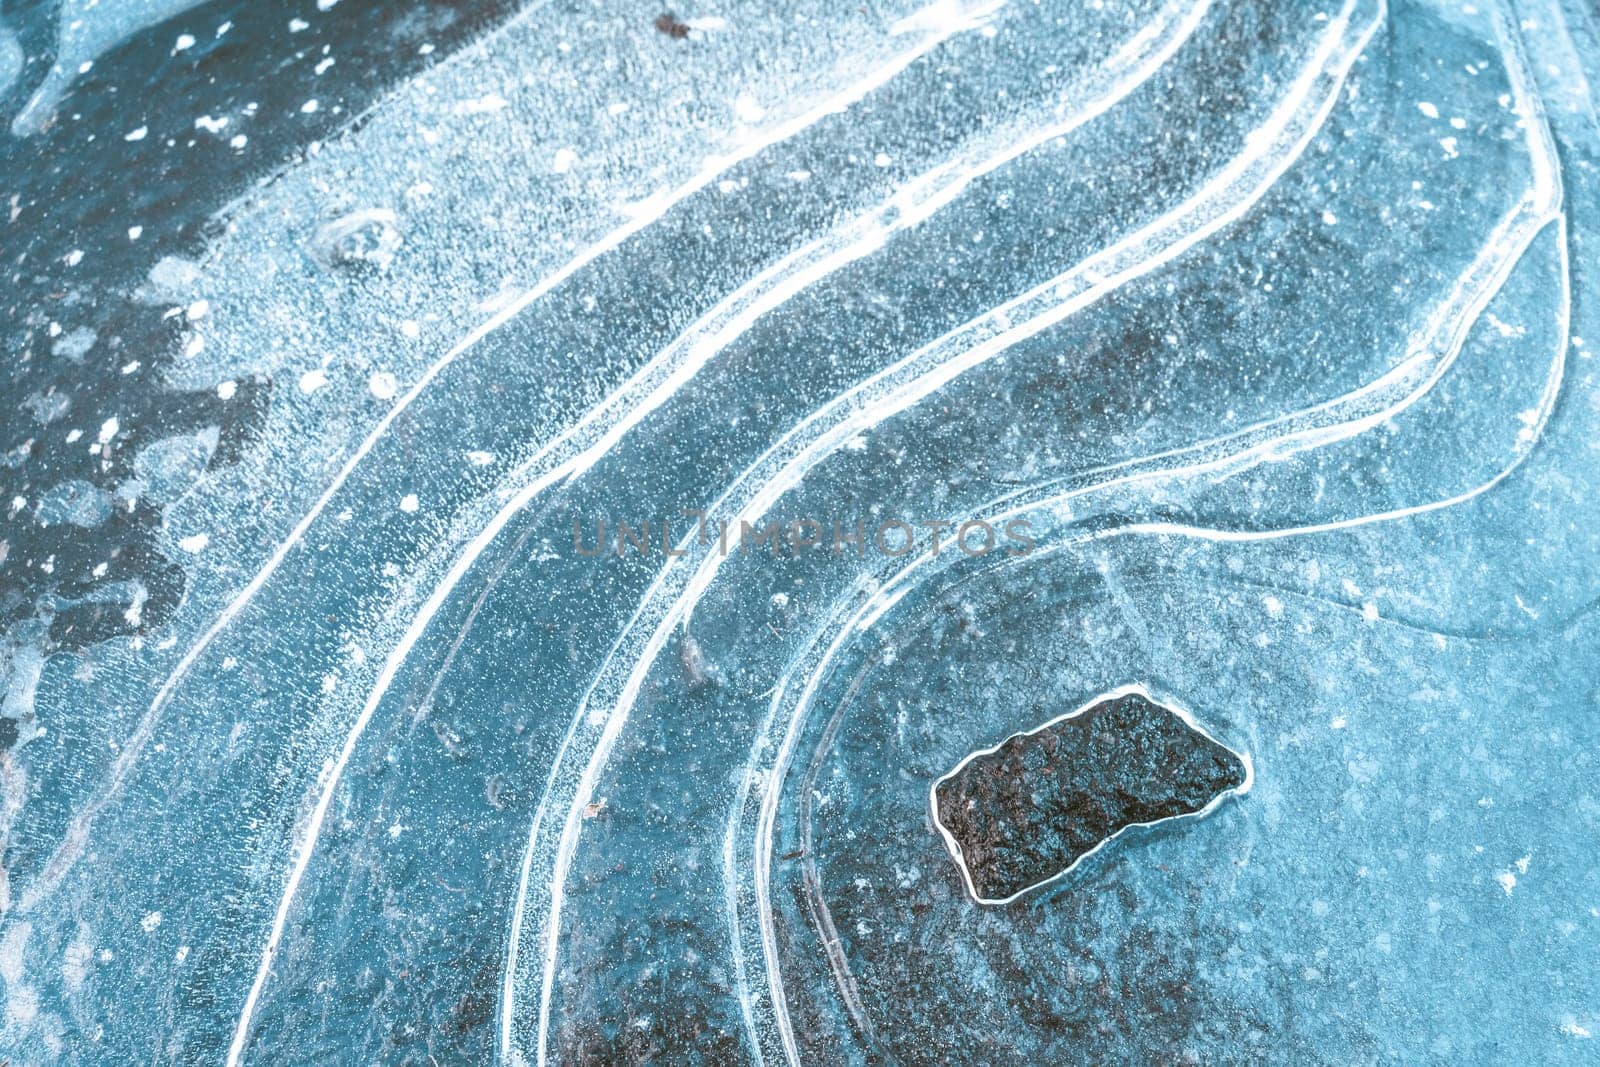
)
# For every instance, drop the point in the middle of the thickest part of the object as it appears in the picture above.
(1270, 322)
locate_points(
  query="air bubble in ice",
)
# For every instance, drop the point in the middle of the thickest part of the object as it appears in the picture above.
(369, 237)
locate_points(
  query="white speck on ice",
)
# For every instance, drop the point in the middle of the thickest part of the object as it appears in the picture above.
(1503, 328)
(747, 109)
(565, 158)
(296, 25)
(183, 43)
(226, 390)
(486, 104)
(942, 17)
(410, 329)
(1329, 218)
(480, 459)
(881, 160)
(108, 429)
(150, 922)
(382, 385)
(1507, 880)
(198, 310)
(135, 232)
(195, 543)
(137, 135)
(312, 380)
(408, 503)
(309, 106)
(1427, 109)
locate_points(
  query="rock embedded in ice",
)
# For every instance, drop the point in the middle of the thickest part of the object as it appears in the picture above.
(1027, 811)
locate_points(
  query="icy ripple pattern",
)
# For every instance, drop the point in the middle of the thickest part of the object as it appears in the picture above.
(1266, 327)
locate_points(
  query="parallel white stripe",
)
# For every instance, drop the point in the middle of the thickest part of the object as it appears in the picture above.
(1448, 329)
(638, 222)
(1295, 121)
(895, 588)
(75, 837)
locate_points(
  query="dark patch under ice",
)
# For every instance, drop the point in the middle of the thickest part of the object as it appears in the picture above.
(1029, 810)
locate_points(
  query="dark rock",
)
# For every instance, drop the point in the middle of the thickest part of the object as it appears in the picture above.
(1021, 814)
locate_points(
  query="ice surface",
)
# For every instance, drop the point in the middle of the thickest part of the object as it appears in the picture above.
(11, 58)
(86, 29)
(1269, 326)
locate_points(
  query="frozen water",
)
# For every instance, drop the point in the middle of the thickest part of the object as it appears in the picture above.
(1237, 352)
(85, 30)
(11, 58)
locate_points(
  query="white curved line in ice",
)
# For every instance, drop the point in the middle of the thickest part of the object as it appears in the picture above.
(852, 622)
(1269, 151)
(73, 840)
(662, 377)
(913, 204)
(1448, 327)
